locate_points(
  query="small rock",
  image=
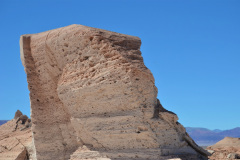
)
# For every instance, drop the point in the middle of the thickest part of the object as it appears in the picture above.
(233, 156)
(211, 151)
(22, 118)
(18, 114)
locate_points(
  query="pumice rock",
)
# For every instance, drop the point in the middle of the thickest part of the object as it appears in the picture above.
(89, 88)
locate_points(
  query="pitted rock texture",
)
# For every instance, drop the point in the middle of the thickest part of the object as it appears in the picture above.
(90, 87)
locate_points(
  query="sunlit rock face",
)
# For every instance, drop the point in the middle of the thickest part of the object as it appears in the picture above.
(227, 148)
(90, 88)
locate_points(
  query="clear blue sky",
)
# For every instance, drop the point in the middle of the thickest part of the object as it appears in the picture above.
(192, 48)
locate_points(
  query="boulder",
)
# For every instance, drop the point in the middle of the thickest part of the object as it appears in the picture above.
(18, 114)
(23, 119)
(233, 156)
(89, 87)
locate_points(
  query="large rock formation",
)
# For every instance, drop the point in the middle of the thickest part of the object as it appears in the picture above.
(90, 87)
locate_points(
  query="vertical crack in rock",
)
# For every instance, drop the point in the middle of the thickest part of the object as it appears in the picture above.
(24, 155)
(90, 86)
(99, 143)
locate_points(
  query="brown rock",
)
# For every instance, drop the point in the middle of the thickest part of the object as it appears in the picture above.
(233, 156)
(90, 87)
(23, 119)
(18, 114)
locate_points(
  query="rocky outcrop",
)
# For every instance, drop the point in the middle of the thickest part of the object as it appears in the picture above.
(228, 148)
(15, 142)
(89, 87)
(18, 114)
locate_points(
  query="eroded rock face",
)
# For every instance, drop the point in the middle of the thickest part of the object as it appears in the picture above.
(15, 140)
(90, 87)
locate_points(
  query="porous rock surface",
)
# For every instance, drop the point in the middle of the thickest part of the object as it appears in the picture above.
(228, 148)
(90, 88)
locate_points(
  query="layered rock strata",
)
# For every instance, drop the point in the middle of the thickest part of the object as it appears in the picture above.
(89, 87)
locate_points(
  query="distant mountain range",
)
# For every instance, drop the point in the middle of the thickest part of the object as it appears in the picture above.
(206, 137)
(2, 122)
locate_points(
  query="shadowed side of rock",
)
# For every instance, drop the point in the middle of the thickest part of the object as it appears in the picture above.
(89, 87)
